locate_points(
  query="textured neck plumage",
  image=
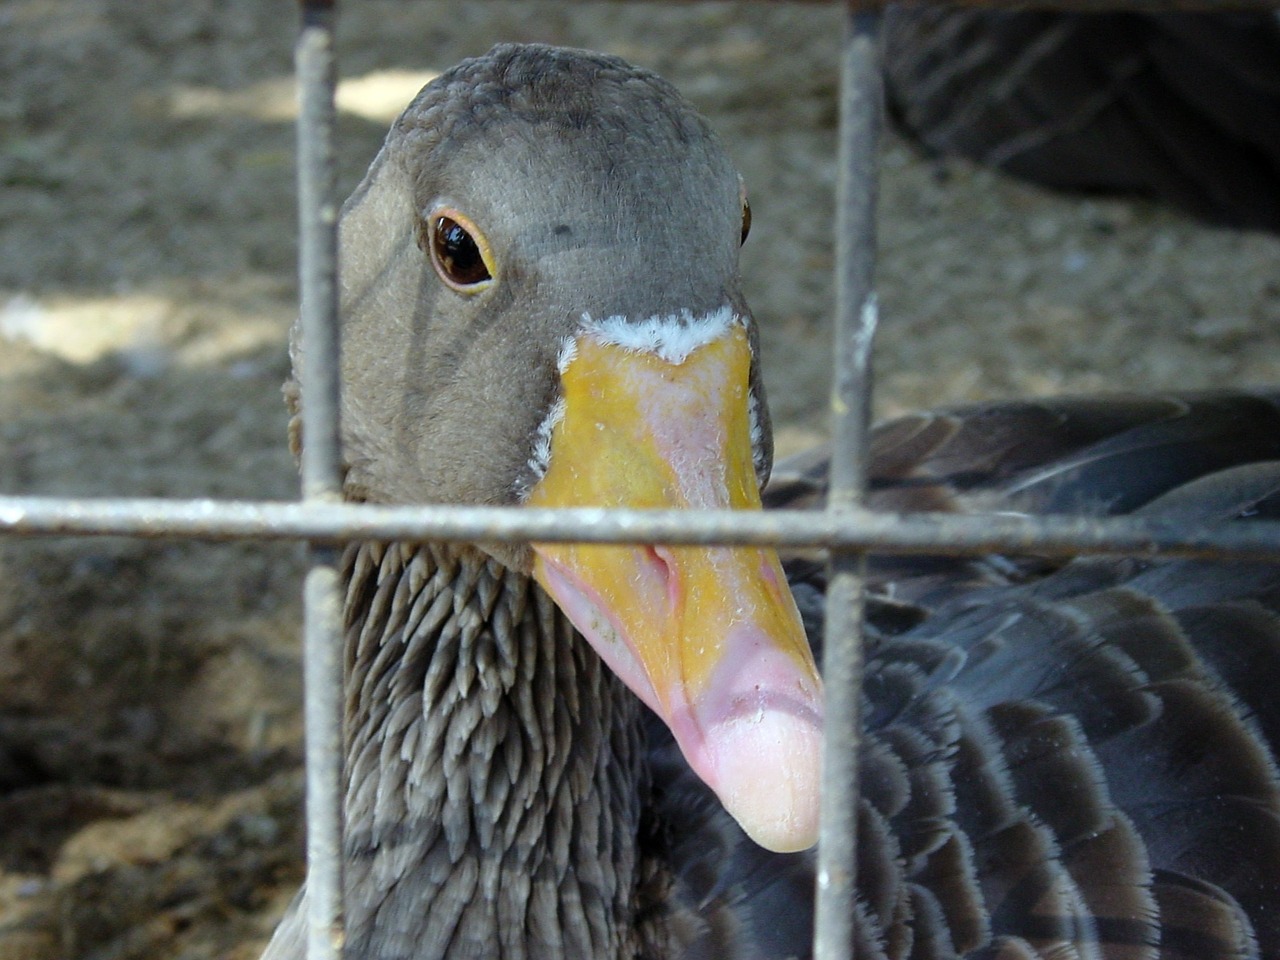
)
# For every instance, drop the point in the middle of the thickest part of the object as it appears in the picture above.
(495, 768)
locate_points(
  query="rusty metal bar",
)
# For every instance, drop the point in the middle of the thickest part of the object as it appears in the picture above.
(321, 476)
(884, 533)
(854, 328)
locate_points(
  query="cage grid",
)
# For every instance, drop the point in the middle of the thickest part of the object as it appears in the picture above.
(845, 528)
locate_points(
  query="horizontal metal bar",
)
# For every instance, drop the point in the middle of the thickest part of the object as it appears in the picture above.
(885, 533)
(1070, 6)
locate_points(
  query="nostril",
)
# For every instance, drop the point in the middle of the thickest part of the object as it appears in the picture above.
(664, 563)
(662, 558)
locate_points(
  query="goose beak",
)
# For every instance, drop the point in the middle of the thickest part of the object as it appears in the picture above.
(709, 638)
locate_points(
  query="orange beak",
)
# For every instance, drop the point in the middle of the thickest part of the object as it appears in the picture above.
(708, 637)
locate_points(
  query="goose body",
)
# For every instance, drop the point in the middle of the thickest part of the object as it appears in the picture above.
(1178, 105)
(612, 752)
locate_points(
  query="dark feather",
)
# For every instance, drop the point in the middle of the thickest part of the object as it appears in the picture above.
(1181, 106)
(1087, 749)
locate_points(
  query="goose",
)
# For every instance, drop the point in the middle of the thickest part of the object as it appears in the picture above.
(564, 751)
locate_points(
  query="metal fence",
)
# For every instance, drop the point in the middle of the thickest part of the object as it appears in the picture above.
(845, 528)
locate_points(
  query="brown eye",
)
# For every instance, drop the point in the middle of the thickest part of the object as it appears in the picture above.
(746, 220)
(458, 252)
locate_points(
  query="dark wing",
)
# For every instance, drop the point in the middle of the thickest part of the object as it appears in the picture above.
(1181, 106)
(1060, 760)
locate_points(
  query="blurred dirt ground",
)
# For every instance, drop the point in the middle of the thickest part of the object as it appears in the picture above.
(149, 731)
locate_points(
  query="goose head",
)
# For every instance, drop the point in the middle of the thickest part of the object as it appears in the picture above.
(541, 306)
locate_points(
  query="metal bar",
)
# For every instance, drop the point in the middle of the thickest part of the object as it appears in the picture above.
(886, 533)
(856, 311)
(322, 715)
(1074, 6)
(321, 476)
(855, 323)
(1091, 6)
(318, 254)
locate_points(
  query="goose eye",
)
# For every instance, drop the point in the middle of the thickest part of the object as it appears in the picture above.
(458, 252)
(746, 220)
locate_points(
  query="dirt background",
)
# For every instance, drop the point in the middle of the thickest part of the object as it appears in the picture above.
(149, 732)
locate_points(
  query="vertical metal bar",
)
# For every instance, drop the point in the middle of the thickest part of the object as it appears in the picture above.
(321, 476)
(855, 322)
(318, 251)
(322, 679)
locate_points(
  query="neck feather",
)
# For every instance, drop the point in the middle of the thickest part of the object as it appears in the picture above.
(495, 768)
